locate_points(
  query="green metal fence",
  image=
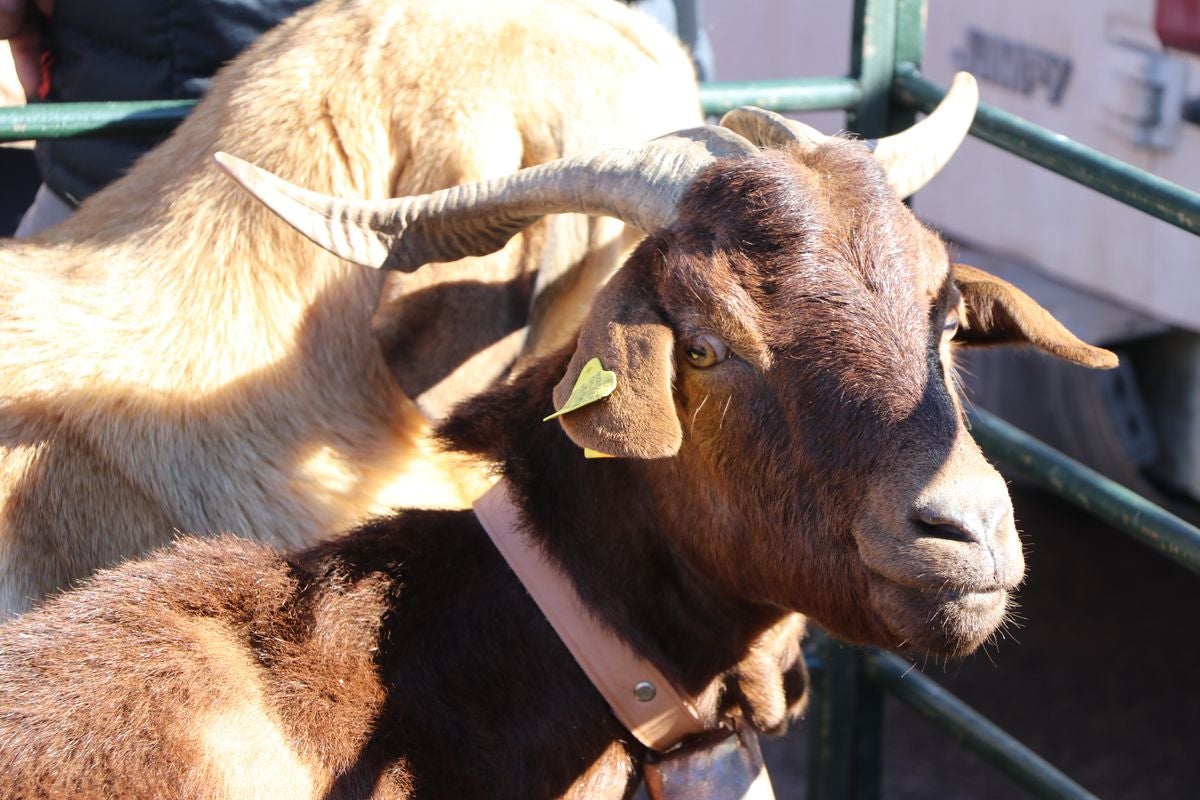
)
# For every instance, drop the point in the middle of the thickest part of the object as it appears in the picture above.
(884, 95)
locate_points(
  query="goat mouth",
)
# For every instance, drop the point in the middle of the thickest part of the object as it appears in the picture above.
(972, 597)
(940, 621)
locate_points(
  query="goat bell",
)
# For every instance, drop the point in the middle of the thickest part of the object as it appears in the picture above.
(728, 768)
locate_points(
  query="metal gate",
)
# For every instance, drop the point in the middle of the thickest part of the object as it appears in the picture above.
(883, 95)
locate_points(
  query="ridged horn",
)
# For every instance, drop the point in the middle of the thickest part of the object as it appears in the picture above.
(911, 158)
(768, 129)
(640, 186)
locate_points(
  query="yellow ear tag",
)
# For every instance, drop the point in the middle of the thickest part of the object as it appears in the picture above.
(590, 453)
(594, 383)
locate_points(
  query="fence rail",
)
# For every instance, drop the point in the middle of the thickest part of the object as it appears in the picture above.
(846, 725)
(145, 118)
(1121, 181)
(809, 94)
(1104, 499)
(970, 728)
(77, 120)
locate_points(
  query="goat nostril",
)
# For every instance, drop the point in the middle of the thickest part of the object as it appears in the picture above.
(942, 529)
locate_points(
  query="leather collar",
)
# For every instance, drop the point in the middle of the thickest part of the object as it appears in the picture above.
(640, 696)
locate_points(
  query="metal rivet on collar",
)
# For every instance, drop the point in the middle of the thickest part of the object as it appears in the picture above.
(644, 691)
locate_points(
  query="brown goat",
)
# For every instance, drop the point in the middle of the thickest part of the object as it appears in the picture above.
(787, 440)
(178, 360)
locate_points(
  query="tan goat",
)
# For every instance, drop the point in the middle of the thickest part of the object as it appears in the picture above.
(178, 360)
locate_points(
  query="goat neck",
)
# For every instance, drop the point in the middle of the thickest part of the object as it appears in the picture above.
(598, 521)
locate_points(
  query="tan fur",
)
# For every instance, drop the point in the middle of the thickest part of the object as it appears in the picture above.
(242, 746)
(608, 776)
(178, 359)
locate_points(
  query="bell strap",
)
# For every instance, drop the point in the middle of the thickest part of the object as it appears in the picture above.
(640, 696)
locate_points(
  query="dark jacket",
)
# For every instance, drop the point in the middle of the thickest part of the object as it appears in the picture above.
(137, 50)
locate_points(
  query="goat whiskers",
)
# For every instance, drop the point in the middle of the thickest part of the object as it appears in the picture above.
(697, 411)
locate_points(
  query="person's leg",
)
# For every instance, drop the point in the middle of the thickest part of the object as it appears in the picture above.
(47, 210)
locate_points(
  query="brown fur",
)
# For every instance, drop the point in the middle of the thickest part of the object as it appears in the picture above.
(401, 660)
(405, 660)
(179, 360)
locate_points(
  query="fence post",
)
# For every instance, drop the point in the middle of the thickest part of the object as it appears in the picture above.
(885, 33)
(845, 724)
(910, 50)
(873, 62)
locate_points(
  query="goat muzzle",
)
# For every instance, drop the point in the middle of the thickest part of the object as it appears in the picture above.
(943, 557)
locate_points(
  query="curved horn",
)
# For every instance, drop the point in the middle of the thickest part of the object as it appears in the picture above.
(912, 157)
(640, 186)
(768, 129)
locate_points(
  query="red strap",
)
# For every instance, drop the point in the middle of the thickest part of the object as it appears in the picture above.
(45, 67)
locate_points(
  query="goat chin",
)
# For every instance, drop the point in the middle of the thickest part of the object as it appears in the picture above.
(946, 622)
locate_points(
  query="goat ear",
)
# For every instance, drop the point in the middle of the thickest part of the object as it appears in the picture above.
(1000, 313)
(630, 338)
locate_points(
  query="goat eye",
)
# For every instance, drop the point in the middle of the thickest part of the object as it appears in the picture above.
(705, 350)
(950, 326)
